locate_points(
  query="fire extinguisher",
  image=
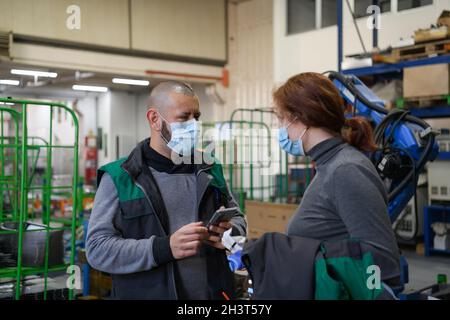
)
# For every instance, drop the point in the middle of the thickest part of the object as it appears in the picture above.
(90, 157)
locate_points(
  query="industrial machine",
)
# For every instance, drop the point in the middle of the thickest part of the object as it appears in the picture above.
(437, 212)
(439, 174)
(409, 225)
(406, 142)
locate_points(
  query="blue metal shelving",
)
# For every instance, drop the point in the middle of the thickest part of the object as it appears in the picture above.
(396, 69)
(386, 68)
(444, 156)
(391, 70)
(431, 112)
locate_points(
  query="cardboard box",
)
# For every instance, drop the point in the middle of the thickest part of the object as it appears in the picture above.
(265, 217)
(426, 81)
(424, 35)
(444, 18)
(255, 233)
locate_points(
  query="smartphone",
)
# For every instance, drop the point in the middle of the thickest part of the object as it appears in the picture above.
(222, 215)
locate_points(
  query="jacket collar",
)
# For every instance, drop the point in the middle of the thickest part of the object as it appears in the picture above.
(139, 158)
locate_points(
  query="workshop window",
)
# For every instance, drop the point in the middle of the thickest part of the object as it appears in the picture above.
(410, 4)
(329, 13)
(361, 6)
(301, 16)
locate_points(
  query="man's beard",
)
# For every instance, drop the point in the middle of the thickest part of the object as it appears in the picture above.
(165, 133)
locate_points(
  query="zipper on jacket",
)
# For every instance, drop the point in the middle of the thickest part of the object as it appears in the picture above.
(160, 225)
(201, 170)
(203, 193)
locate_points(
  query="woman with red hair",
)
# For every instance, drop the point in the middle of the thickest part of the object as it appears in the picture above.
(346, 198)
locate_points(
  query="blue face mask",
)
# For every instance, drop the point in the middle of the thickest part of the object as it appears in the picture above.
(184, 136)
(295, 147)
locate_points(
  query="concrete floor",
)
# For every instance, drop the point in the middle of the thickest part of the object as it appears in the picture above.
(423, 270)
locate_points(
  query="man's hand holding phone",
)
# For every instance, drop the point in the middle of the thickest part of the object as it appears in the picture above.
(216, 232)
(186, 241)
(218, 225)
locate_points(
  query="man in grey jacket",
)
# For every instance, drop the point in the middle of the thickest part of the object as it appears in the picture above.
(147, 226)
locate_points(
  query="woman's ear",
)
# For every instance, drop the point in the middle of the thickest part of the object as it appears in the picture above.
(297, 129)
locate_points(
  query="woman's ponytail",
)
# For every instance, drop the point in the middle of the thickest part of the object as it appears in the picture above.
(358, 133)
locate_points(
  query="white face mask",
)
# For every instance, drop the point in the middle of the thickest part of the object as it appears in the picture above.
(184, 136)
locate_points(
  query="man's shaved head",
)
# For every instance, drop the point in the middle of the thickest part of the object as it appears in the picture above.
(161, 95)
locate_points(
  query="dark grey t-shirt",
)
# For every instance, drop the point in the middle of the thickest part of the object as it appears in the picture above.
(346, 198)
(179, 192)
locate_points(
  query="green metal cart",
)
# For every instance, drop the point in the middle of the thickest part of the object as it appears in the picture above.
(18, 183)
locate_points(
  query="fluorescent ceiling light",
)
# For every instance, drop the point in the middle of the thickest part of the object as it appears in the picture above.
(10, 82)
(131, 81)
(7, 103)
(89, 88)
(34, 73)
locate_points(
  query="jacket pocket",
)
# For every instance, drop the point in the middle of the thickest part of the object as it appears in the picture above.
(136, 208)
(327, 287)
(138, 220)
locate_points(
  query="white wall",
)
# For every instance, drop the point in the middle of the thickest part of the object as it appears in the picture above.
(87, 121)
(124, 118)
(209, 108)
(104, 122)
(38, 122)
(63, 134)
(250, 44)
(87, 115)
(142, 126)
(117, 116)
(316, 50)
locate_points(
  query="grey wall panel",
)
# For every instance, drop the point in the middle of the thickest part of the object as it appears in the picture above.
(103, 22)
(194, 28)
(179, 28)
